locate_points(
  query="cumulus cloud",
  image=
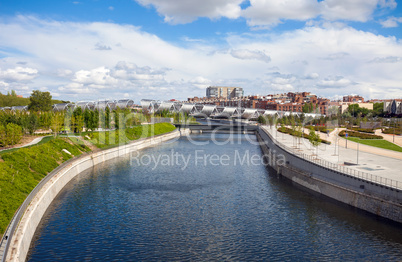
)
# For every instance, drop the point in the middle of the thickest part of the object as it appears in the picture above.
(18, 74)
(391, 22)
(312, 76)
(335, 82)
(142, 65)
(245, 54)
(185, 11)
(267, 13)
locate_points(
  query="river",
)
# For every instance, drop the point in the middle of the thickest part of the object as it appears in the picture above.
(204, 198)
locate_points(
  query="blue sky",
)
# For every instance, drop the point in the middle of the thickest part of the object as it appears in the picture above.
(163, 49)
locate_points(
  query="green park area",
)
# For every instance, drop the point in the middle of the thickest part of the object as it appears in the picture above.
(68, 134)
(23, 168)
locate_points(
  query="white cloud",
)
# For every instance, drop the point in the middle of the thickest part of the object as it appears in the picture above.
(18, 74)
(245, 54)
(267, 13)
(61, 57)
(388, 59)
(356, 10)
(200, 82)
(185, 11)
(312, 76)
(335, 82)
(391, 22)
(271, 12)
(336, 56)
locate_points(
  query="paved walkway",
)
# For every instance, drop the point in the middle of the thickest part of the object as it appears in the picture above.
(380, 165)
(335, 139)
(33, 142)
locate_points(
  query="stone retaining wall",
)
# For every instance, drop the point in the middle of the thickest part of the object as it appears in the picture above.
(374, 198)
(21, 240)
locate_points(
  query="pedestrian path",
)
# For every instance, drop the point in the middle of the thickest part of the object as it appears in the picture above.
(339, 141)
(33, 142)
(368, 162)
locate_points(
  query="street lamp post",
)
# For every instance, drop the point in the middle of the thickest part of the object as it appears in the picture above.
(393, 138)
(357, 157)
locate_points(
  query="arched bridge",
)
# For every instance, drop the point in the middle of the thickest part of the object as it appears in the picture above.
(212, 111)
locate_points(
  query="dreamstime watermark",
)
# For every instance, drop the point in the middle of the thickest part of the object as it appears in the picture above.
(202, 158)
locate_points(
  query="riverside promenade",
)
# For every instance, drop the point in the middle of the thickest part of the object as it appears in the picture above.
(383, 167)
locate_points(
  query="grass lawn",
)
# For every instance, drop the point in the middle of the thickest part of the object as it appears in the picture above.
(377, 143)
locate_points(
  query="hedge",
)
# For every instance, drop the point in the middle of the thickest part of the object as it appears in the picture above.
(321, 129)
(391, 131)
(359, 135)
(364, 130)
(289, 131)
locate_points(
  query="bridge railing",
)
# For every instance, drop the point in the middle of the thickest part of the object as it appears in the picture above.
(339, 168)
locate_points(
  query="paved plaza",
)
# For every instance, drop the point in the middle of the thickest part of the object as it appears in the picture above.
(380, 162)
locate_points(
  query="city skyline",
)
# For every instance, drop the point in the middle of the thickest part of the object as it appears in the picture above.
(82, 50)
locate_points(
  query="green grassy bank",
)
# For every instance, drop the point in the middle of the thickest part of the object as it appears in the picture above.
(22, 169)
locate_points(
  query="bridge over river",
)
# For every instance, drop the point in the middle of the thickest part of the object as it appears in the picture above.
(212, 111)
(217, 127)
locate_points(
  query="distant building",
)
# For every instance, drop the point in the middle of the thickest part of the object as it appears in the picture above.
(393, 106)
(353, 99)
(224, 92)
(344, 106)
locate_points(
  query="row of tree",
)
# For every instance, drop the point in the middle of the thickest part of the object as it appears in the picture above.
(78, 120)
(37, 101)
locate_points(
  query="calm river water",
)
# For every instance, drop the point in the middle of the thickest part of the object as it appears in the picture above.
(215, 201)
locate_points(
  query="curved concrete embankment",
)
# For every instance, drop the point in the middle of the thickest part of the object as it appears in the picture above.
(21, 239)
(329, 179)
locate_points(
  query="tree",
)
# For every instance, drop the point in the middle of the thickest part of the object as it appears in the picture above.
(117, 119)
(262, 120)
(87, 118)
(32, 123)
(378, 109)
(45, 119)
(107, 117)
(77, 120)
(57, 122)
(308, 107)
(314, 138)
(14, 134)
(3, 136)
(40, 101)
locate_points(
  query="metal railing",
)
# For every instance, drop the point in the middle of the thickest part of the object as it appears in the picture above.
(339, 168)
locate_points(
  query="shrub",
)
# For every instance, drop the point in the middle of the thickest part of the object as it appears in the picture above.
(359, 135)
(307, 136)
(10, 134)
(322, 129)
(364, 130)
(391, 131)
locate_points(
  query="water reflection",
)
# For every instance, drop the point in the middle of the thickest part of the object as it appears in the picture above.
(128, 212)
